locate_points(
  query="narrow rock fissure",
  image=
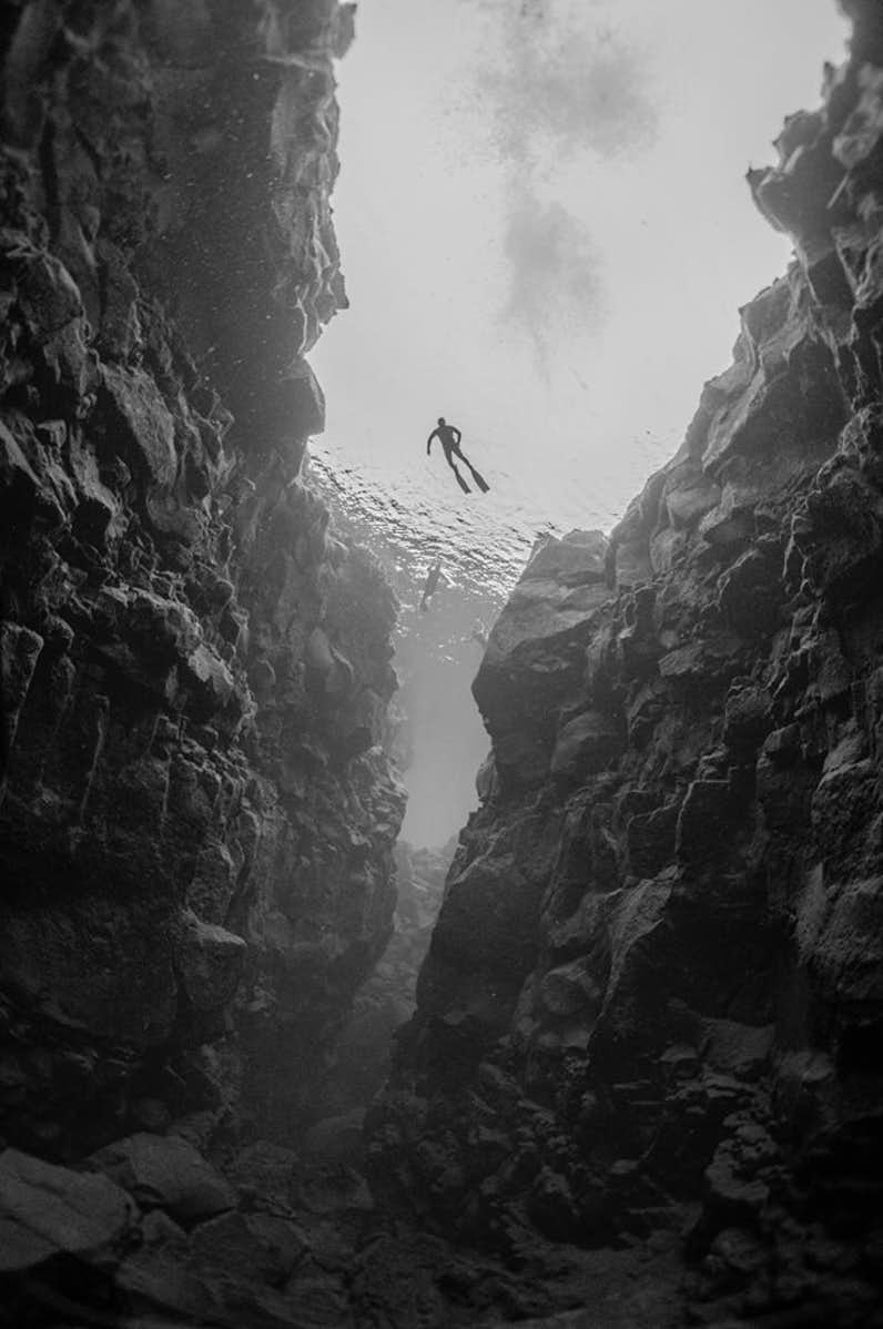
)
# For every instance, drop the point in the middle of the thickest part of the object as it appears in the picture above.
(589, 1035)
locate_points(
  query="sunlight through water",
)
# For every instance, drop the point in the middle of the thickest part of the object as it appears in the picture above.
(546, 235)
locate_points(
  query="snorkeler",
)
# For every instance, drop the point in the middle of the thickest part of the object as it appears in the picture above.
(431, 583)
(449, 436)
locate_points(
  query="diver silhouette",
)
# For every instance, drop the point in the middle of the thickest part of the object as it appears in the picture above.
(449, 436)
(431, 583)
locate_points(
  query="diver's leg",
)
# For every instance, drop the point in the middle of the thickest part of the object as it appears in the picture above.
(449, 456)
(460, 481)
(476, 475)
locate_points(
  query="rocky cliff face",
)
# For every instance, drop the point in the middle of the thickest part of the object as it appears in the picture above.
(653, 1001)
(197, 816)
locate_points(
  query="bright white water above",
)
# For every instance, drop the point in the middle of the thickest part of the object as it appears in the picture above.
(546, 235)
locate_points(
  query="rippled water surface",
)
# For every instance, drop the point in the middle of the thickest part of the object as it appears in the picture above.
(419, 514)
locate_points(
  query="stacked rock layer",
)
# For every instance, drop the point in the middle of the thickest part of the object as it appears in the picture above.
(196, 814)
(654, 997)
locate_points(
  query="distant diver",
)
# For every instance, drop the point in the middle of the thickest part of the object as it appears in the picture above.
(479, 633)
(431, 583)
(449, 436)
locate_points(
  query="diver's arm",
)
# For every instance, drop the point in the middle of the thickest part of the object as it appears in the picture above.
(429, 440)
(459, 433)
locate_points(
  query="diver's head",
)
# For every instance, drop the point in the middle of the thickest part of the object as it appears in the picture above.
(441, 419)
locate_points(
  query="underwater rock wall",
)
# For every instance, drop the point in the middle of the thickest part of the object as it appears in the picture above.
(197, 816)
(653, 1000)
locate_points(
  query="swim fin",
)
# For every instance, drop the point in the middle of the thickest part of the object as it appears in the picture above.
(479, 479)
(461, 482)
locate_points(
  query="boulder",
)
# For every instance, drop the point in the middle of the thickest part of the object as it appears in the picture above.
(585, 745)
(541, 616)
(747, 718)
(751, 592)
(535, 656)
(738, 1049)
(165, 1172)
(688, 494)
(30, 485)
(847, 953)
(209, 962)
(336, 1140)
(571, 989)
(249, 1246)
(139, 424)
(577, 559)
(47, 1211)
(638, 921)
(651, 840)
(707, 819)
(301, 399)
(209, 680)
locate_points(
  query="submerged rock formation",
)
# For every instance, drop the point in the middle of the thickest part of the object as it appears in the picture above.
(197, 816)
(653, 1000)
